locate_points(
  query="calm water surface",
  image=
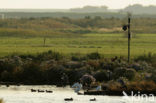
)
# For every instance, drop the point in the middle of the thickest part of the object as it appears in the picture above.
(22, 94)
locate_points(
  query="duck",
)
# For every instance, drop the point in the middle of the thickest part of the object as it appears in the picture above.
(7, 85)
(68, 99)
(40, 91)
(80, 93)
(18, 84)
(48, 91)
(93, 99)
(33, 90)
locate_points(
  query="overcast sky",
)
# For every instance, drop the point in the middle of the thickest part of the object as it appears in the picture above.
(65, 4)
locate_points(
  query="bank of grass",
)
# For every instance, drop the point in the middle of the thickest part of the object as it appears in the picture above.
(108, 45)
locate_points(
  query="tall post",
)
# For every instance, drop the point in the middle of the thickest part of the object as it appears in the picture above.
(129, 37)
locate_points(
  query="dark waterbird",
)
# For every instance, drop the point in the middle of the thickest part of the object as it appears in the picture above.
(7, 85)
(93, 99)
(68, 99)
(40, 91)
(48, 91)
(33, 90)
(80, 93)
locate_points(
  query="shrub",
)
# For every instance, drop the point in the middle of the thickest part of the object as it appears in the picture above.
(153, 76)
(73, 64)
(113, 86)
(140, 66)
(32, 73)
(141, 86)
(148, 58)
(6, 76)
(53, 75)
(111, 65)
(94, 63)
(124, 72)
(49, 55)
(94, 55)
(130, 74)
(102, 75)
(7, 65)
(87, 79)
(75, 58)
(75, 75)
(119, 72)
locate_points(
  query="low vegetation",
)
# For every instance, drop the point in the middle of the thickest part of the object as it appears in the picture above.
(50, 67)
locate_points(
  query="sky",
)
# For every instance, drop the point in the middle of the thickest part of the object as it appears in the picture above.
(66, 4)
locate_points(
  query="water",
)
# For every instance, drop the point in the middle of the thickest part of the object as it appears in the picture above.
(22, 94)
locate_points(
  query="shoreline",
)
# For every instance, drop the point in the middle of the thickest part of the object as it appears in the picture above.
(103, 92)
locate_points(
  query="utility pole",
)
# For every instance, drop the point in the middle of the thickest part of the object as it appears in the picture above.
(125, 27)
(129, 37)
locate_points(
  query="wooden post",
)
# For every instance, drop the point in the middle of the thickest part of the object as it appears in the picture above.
(44, 41)
(125, 27)
(129, 38)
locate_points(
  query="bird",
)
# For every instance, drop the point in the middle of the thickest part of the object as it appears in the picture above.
(7, 85)
(40, 91)
(93, 99)
(48, 91)
(68, 99)
(33, 90)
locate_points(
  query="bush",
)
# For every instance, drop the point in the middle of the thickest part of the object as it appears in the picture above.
(94, 63)
(153, 76)
(32, 73)
(102, 75)
(137, 66)
(7, 65)
(111, 65)
(130, 74)
(75, 75)
(148, 58)
(94, 55)
(49, 55)
(119, 72)
(6, 76)
(141, 86)
(124, 72)
(73, 64)
(53, 75)
(113, 86)
(87, 79)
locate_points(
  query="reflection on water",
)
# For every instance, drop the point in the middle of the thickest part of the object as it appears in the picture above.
(22, 94)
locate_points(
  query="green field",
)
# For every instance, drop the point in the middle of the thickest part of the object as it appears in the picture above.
(106, 44)
(81, 36)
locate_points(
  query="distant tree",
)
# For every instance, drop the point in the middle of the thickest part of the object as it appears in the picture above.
(87, 17)
(97, 18)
